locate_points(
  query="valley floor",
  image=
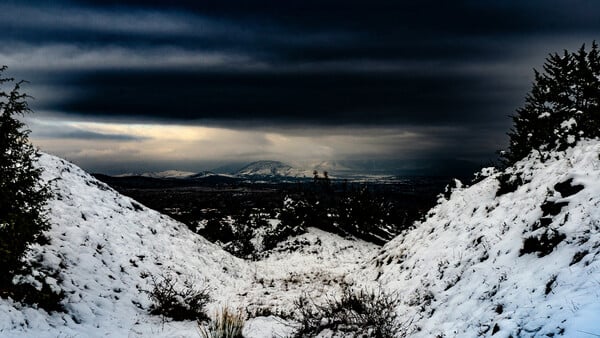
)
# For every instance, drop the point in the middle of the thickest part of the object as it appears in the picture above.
(315, 264)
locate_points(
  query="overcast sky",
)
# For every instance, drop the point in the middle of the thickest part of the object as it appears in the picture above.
(150, 85)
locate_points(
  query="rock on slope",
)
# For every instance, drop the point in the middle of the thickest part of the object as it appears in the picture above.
(103, 244)
(519, 259)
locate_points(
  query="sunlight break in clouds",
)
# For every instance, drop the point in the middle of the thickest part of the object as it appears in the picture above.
(175, 144)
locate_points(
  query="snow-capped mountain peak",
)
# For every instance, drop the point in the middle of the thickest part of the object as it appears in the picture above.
(169, 174)
(271, 169)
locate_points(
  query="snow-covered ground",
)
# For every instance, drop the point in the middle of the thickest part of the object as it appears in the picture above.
(519, 263)
(463, 272)
(106, 246)
(314, 264)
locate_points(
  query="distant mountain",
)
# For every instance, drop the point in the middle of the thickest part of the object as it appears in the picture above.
(272, 169)
(161, 174)
(345, 169)
(176, 174)
(203, 174)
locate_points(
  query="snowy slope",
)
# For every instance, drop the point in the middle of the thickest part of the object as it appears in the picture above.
(313, 264)
(483, 265)
(103, 244)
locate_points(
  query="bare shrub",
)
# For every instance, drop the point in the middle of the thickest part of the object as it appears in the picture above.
(360, 313)
(226, 324)
(185, 302)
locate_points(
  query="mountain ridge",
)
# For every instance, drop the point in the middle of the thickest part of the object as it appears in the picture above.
(270, 168)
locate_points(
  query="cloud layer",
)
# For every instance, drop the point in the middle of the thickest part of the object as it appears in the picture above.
(381, 69)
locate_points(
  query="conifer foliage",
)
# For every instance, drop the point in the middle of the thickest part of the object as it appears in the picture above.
(562, 107)
(22, 197)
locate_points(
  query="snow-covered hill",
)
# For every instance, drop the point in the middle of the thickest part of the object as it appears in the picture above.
(517, 259)
(105, 246)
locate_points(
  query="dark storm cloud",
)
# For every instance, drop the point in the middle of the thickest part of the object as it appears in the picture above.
(302, 31)
(297, 97)
(88, 135)
(292, 63)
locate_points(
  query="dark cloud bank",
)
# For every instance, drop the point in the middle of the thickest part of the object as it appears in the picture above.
(464, 65)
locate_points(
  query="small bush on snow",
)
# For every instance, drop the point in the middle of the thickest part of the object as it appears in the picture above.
(357, 313)
(226, 324)
(508, 183)
(184, 302)
(543, 244)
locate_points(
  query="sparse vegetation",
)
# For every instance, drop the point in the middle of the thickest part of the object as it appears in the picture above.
(227, 323)
(542, 244)
(508, 183)
(178, 302)
(240, 216)
(567, 188)
(357, 211)
(357, 313)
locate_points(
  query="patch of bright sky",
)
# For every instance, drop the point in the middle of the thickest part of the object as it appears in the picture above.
(88, 142)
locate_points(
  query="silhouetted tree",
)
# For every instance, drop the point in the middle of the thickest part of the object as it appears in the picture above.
(22, 196)
(562, 107)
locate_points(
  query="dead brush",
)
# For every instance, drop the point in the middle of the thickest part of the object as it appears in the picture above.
(228, 323)
(356, 313)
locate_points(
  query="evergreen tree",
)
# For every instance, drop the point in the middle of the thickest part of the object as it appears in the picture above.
(562, 107)
(22, 197)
